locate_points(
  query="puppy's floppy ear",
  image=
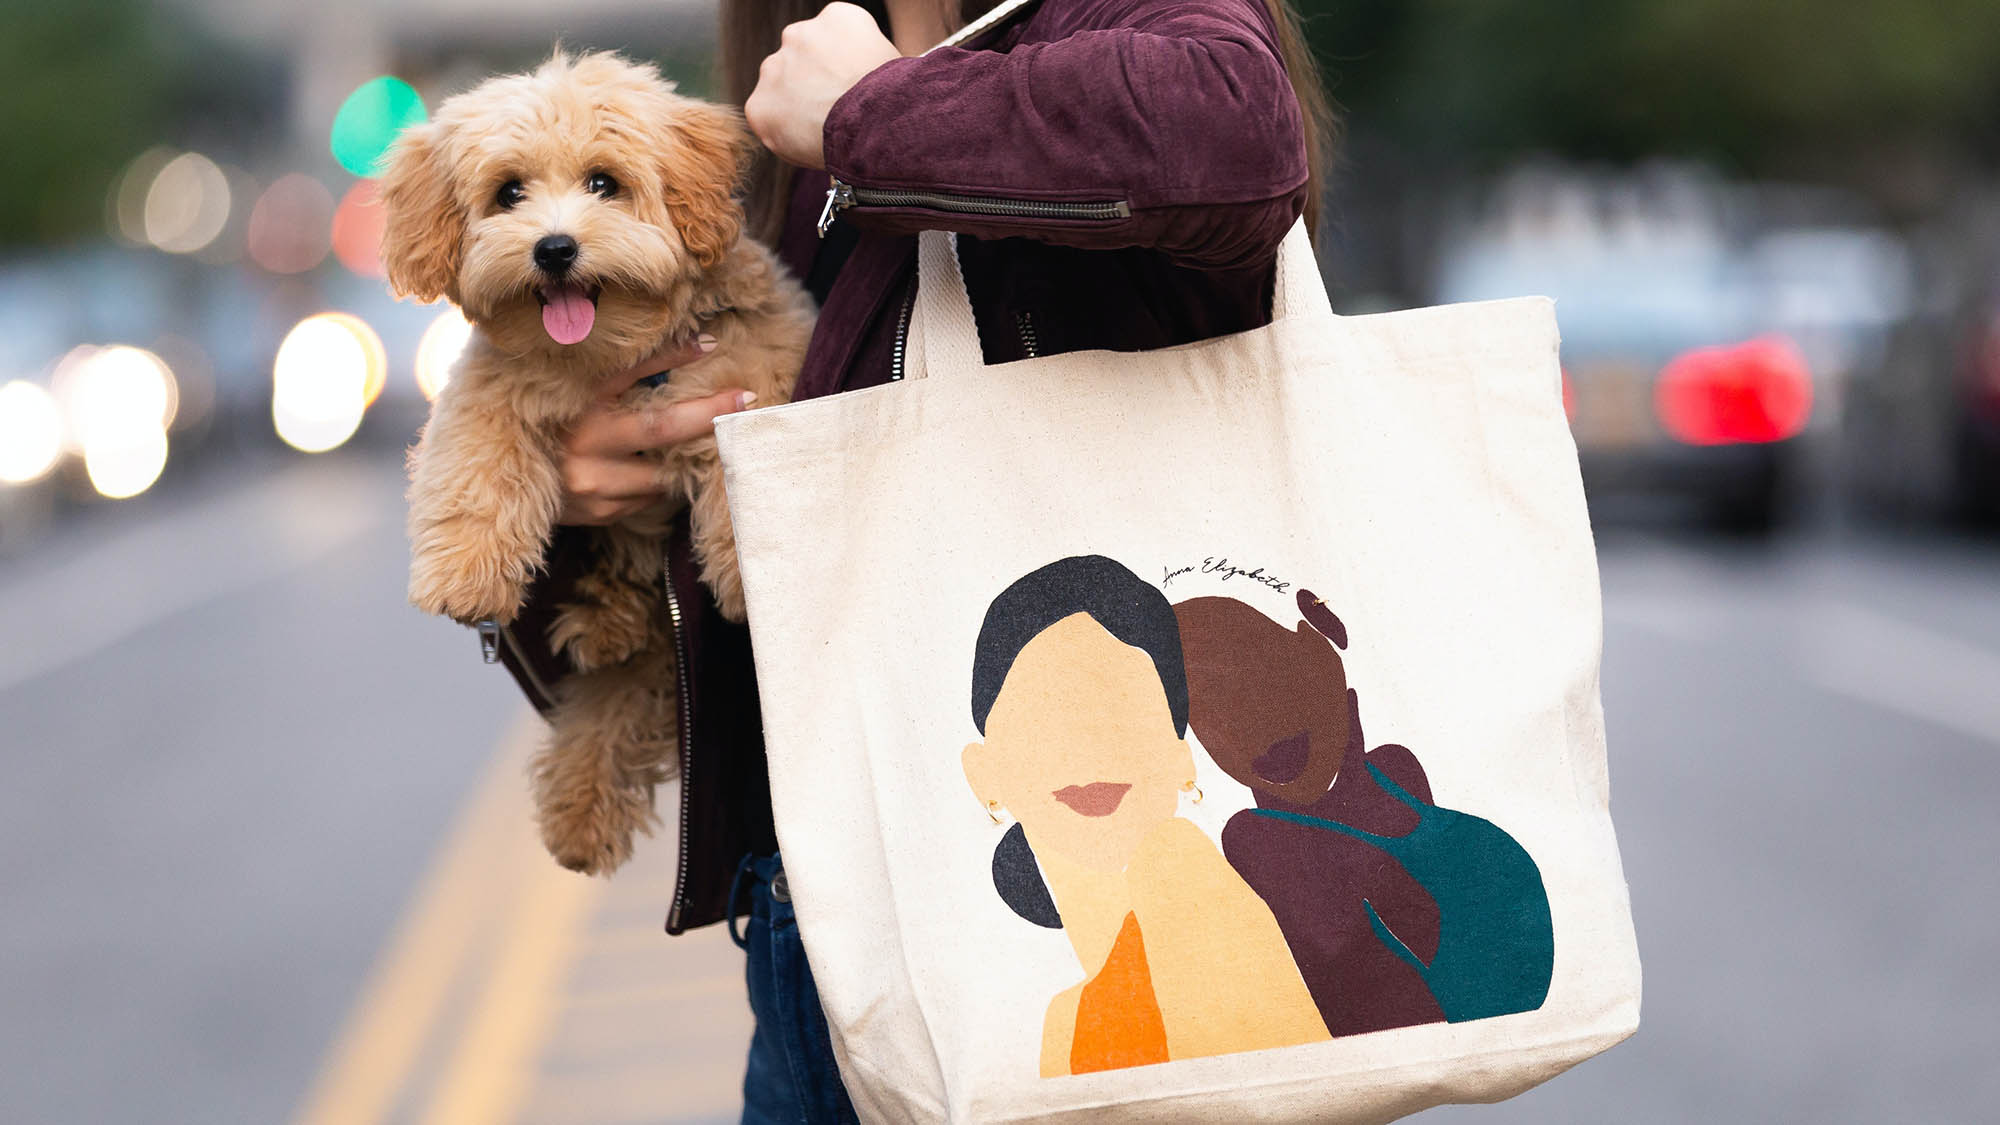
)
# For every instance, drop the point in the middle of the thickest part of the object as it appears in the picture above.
(708, 147)
(423, 237)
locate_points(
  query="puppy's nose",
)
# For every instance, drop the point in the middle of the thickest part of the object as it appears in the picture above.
(556, 254)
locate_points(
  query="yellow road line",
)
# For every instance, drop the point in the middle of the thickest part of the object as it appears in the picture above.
(499, 951)
(489, 1075)
(370, 1060)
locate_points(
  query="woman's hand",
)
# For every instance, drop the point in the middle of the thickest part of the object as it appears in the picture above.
(817, 61)
(605, 477)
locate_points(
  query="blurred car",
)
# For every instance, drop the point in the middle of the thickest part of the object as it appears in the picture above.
(1923, 435)
(1976, 450)
(1695, 362)
(116, 361)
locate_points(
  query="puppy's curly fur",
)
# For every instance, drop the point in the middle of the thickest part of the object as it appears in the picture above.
(659, 249)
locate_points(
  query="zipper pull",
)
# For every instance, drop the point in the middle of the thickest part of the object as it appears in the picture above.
(489, 640)
(838, 197)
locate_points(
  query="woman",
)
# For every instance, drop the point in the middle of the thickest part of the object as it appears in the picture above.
(1272, 707)
(1120, 173)
(1082, 704)
(1398, 912)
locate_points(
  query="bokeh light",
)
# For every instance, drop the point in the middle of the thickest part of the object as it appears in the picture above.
(369, 120)
(128, 197)
(439, 350)
(123, 465)
(328, 370)
(116, 404)
(109, 394)
(288, 225)
(357, 229)
(187, 204)
(31, 432)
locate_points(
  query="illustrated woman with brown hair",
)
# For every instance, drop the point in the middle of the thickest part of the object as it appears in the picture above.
(1272, 707)
(1397, 911)
(1079, 694)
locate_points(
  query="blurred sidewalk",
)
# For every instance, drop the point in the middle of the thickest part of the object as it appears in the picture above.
(516, 991)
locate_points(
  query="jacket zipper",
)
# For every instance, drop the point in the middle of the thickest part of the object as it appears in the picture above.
(841, 196)
(679, 907)
(1024, 322)
(902, 333)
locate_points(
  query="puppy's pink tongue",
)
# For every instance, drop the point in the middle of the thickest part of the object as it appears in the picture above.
(568, 314)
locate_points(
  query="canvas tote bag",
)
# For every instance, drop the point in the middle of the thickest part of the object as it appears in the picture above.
(1203, 734)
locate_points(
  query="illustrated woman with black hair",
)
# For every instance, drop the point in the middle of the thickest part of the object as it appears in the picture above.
(1079, 694)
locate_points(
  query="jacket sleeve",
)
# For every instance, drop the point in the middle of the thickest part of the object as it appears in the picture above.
(523, 644)
(1181, 109)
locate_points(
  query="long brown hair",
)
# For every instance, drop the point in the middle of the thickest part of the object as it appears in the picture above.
(750, 30)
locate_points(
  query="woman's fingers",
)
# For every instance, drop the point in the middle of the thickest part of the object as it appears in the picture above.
(677, 354)
(611, 478)
(604, 477)
(583, 511)
(613, 432)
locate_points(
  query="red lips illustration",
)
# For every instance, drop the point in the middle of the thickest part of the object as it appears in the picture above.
(1099, 798)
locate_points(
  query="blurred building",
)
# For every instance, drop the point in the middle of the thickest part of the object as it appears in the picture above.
(331, 48)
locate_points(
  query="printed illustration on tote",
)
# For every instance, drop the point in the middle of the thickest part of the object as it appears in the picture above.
(1343, 902)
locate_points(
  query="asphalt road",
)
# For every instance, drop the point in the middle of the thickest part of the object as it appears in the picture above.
(263, 859)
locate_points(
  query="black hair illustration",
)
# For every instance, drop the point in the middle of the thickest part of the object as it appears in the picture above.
(1130, 609)
(1019, 880)
(1127, 606)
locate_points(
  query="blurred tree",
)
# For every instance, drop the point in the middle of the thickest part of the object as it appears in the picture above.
(89, 85)
(1867, 92)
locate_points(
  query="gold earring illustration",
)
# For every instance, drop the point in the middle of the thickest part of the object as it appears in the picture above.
(993, 811)
(1193, 788)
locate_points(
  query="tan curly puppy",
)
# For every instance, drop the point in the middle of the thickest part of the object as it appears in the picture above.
(582, 216)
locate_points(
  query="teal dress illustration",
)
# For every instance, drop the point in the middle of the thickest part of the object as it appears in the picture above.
(1496, 939)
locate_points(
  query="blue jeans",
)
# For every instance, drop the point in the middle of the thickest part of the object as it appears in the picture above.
(791, 1077)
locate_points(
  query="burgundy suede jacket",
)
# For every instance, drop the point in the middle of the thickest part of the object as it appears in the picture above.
(1120, 173)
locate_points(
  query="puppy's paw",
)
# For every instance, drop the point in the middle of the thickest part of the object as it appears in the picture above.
(728, 591)
(598, 635)
(720, 572)
(465, 596)
(458, 573)
(588, 820)
(593, 842)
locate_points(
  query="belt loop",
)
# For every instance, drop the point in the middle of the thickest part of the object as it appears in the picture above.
(735, 892)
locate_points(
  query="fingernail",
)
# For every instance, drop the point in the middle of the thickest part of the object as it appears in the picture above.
(744, 400)
(705, 342)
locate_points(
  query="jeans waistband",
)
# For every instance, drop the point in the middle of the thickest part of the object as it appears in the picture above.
(752, 870)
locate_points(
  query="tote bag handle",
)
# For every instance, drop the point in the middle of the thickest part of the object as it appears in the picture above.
(944, 339)
(995, 16)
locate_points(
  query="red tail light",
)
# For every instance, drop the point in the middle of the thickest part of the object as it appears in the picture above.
(1759, 391)
(1986, 368)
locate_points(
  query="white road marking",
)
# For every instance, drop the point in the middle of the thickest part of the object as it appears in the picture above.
(1896, 664)
(1838, 646)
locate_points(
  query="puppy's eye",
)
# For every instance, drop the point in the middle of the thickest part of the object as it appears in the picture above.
(509, 194)
(600, 183)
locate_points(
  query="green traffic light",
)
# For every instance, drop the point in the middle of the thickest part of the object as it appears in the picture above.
(369, 121)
